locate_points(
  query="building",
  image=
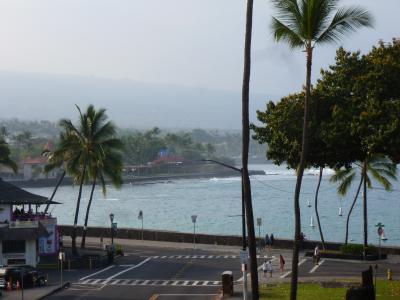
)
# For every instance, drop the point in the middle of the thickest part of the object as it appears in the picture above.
(25, 233)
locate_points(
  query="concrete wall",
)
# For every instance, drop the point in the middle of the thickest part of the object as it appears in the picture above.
(181, 237)
(30, 252)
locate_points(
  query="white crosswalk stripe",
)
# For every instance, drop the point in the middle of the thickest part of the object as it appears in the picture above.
(148, 282)
(204, 257)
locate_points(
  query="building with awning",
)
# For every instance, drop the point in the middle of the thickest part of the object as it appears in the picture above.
(25, 233)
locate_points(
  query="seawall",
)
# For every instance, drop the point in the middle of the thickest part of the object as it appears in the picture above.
(201, 238)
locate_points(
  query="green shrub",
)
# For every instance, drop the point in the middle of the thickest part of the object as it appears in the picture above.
(357, 249)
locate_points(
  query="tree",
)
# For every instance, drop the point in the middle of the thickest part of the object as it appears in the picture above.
(245, 151)
(106, 161)
(377, 166)
(5, 154)
(305, 24)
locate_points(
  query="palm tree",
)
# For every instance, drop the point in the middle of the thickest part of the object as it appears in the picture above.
(321, 169)
(5, 154)
(305, 24)
(380, 168)
(106, 161)
(245, 151)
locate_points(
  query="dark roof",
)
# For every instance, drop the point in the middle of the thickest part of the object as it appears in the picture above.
(14, 234)
(11, 194)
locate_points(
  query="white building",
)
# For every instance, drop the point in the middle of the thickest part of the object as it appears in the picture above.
(25, 235)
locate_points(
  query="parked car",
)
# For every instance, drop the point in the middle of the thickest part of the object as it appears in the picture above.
(31, 276)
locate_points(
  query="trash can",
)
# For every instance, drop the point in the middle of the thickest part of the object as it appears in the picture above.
(227, 283)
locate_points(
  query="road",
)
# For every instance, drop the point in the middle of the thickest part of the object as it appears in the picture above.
(165, 273)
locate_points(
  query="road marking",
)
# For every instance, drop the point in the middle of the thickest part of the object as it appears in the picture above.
(299, 264)
(147, 282)
(179, 256)
(127, 270)
(210, 256)
(205, 283)
(105, 269)
(175, 282)
(182, 295)
(195, 283)
(216, 282)
(185, 282)
(116, 281)
(317, 266)
(165, 282)
(126, 266)
(203, 256)
(163, 256)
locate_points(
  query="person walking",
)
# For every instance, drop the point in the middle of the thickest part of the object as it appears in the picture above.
(265, 270)
(281, 263)
(269, 268)
(316, 255)
(272, 239)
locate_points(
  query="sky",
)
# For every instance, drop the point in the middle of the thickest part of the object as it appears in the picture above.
(191, 43)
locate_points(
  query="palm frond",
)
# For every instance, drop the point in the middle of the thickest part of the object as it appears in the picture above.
(345, 21)
(286, 34)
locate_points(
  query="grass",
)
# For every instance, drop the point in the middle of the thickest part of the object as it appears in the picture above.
(386, 290)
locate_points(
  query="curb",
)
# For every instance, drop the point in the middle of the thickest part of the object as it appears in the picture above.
(56, 290)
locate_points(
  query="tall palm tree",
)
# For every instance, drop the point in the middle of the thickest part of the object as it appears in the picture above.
(304, 24)
(106, 163)
(321, 170)
(245, 151)
(5, 154)
(377, 166)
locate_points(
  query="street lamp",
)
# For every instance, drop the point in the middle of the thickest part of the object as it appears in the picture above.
(140, 217)
(243, 253)
(112, 231)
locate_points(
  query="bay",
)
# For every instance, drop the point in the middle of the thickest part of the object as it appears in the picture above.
(168, 205)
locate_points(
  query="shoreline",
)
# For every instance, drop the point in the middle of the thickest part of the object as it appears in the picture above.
(51, 182)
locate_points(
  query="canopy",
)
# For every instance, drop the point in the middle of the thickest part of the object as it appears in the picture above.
(11, 194)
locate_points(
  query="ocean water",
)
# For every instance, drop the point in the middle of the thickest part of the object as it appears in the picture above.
(168, 205)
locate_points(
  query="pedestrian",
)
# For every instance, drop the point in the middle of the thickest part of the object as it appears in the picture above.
(316, 255)
(264, 268)
(269, 268)
(267, 240)
(281, 263)
(272, 239)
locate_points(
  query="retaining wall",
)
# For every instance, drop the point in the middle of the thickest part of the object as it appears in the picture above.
(182, 237)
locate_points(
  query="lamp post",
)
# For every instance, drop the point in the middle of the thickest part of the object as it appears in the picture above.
(112, 230)
(194, 218)
(244, 261)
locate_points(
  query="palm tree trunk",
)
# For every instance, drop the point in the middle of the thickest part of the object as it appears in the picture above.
(300, 171)
(245, 151)
(55, 190)
(87, 215)
(316, 207)
(351, 209)
(78, 203)
(365, 216)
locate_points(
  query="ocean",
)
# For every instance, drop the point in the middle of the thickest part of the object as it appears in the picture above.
(168, 205)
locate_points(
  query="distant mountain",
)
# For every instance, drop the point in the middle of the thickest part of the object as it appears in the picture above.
(129, 103)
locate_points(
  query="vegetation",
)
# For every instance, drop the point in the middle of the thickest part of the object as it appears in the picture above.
(5, 156)
(358, 249)
(306, 24)
(385, 290)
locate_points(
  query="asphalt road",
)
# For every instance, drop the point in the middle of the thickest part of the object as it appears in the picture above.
(163, 273)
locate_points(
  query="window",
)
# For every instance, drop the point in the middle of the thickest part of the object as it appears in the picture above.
(14, 246)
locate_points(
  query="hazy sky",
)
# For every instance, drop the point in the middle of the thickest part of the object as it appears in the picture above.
(185, 42)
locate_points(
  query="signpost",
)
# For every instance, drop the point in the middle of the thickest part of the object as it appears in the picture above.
(194, 218)
(380, 234)
(244, 257)
(61, 257)
(259, 223)
(140, 217)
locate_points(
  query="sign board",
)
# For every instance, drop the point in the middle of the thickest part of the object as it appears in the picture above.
(194, 217)
(259, 221)
(49, 245)
(61, 256)
(380, 231)
(244, 256)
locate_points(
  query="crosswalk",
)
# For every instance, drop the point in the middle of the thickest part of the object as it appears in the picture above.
(134, 282)
(205, 257)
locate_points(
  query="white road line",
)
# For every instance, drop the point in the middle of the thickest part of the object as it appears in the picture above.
(127, 270)
(210, 256)
(317, 266)
(187, 256)
(115, 281)
(179, 256)
(165, 282)
(216, 282)
(155, 256)
(287, 273)
(98, 272)
(194, 256)
(203, 256)
(95, 281)
(186, 282)
(175, 282)
(86, 281)
(195, 283)
(145, 282)
(125, 266)
(163, 256)
(205, 282)
(226, 256)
